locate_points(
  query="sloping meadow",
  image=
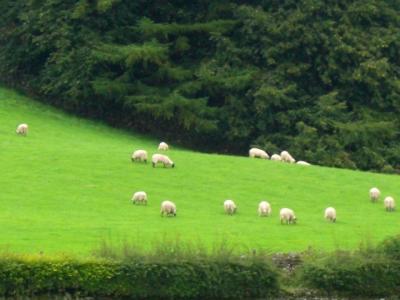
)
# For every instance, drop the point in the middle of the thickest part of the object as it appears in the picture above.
(68, 185)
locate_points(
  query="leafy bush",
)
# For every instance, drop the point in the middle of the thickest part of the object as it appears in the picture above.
(390, 247)
(135, 279)
(370, 273)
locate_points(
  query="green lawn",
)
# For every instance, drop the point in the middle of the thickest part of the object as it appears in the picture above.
(67, 186)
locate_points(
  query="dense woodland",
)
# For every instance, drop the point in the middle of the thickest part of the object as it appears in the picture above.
(320, 79)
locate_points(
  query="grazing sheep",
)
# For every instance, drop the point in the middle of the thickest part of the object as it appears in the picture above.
(287, 216)
(286, 157)
(303, 163)
(168, 208)
(229, 207)
(163, 146)
(163, 159)
(389, 204)
(330, 214)
(139, 197)
(374, 194)
(255, 152)
(264, 209)
(276, 157)
(22, 129)
(139, 155)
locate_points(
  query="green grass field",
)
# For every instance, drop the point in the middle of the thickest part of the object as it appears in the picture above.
(67, 186)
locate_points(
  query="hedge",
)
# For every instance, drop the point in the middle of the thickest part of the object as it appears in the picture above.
(27, 276)
(372, 272)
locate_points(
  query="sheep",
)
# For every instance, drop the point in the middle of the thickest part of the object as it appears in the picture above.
(276, 157)
(286, 157)
(255, 152)
(330, 214)
(160, 158)
(264, 209)
(229, 207)
(287, 215)
(303, 163)
(389, 204)
(139, 197)
(163, 146)
(168, 208)
(139, 155)
(374, 194)
(22, 129)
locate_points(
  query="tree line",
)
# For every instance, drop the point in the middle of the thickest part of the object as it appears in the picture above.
(317, 78)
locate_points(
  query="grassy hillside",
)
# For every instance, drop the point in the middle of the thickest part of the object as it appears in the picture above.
(67, 186)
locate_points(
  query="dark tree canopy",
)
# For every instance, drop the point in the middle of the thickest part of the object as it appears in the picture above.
(320, 79)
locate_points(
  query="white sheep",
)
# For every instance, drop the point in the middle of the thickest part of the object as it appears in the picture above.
(163, 146)
(168, 208)
(255, 152)
(163, 159)
(286, 157)
(374, 194)
(229, 207)
(330, 214)
(389, 204)
(276, 157)
(287, 216)
(139, 155)
(264, 209)
(22, 129)
(303, 163)
(139, 197)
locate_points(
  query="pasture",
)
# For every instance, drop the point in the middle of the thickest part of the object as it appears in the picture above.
(67, 186)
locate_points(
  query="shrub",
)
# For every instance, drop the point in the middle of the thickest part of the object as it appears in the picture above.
(374, 273)
(135, 279)
(391, 247)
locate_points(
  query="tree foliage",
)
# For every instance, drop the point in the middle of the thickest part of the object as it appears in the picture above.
(318, 78)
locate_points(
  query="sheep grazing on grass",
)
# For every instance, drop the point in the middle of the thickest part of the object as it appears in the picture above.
(229, 207)
(264, 209)
(287, 216)
(389, 204)
(139, 198)
(22, 129)
(303, 163)
(163, 146)
(255, 152)
(286, 157)
(162, 159)
(330, 214)
(168, 208)
(276, 157)
(374, 194)
(139, 155)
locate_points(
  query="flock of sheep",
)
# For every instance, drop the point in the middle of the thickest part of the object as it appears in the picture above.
(168, 208)
(388, 202)
(284, 156)
(141, 155)
(287, 215)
